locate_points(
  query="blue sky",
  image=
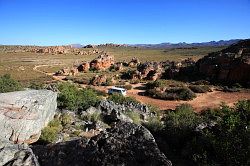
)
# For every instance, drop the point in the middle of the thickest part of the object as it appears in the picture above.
(58, 22)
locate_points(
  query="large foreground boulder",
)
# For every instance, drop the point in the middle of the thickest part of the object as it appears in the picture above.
(123, 144)
(24, 113)
(16, 155)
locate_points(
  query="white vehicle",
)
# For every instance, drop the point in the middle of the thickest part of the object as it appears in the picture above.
(121, 91)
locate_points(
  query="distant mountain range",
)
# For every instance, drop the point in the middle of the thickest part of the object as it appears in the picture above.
(183, 44)
(173, 45)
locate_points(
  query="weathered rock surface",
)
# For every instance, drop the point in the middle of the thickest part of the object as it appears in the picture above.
(229, 65)
(99, 80)
(24, 113)
(102, 62)
(16, 155)
(84, 67)
(150, 70)
(123, 144)
(134, 62)
(118, 111)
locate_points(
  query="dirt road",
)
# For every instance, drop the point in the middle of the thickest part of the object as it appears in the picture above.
(201, 102)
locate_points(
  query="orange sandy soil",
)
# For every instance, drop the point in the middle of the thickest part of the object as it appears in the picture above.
(201, 102)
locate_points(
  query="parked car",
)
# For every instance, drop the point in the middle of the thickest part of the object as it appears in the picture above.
(121, 91)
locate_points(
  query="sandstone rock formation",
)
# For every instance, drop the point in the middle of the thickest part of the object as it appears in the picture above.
(134, 62)
(24, 113)
(123, 144)
(102, 62)
(99, 80)
(229, 65)
(16, 155)
(84, 67)
(150, 70)
(118, 66)
(67, 71)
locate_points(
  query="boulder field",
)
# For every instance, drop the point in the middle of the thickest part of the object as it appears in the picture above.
(24, 114)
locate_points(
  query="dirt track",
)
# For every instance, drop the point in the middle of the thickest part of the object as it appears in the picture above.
(201, 102)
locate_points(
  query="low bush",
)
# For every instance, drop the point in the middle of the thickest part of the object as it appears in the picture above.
(135, 81)
(66, 119)
(95, 117)
(37, 86)
(120, 99)
(73, 98)
(128, 87)
(49, 134)
(172, 94)
(156, 84)
(134, 116)
(7, 84)
(214, 137)
(154, 124)
(200, 88)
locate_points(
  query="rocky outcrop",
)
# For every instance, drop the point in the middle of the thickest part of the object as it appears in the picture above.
(24, 113)
(118, 66)
(229, 65)
(123, 144)
(99, 80)
(16, 155)
(67, 71)
(102, 62)
(150, 70)
(84, 67)
(107, 107)
(134, 62)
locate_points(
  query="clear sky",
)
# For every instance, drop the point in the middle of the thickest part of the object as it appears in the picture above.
(58, 22)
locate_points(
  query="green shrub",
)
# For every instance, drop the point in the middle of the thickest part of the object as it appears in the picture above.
(95, 117)
(134, 116)
(7, 84)
(37, 86)
(181, 93)
(172, 94)
(200, 88)
(128, 87)
(154, 124)
(70, 97)
(134, 81)
(66, 119)
(156, 84)
(120, 99)
(49, 133)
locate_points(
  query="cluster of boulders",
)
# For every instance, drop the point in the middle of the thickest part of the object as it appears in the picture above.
(62, 50)
(112, 45)
(101, 63)
(67, 49)
(155, 70)
(229, 65)
(116, 110)
(99, 80)
(115, 139)
(123, 144)
(134, 62)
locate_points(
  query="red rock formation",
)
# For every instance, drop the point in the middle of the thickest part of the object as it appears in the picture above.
(229, 65)
(134, 62)
(84, 67)
(103, 62)
(99, 80)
